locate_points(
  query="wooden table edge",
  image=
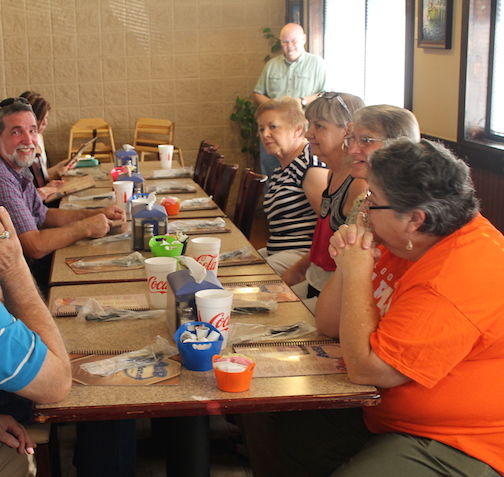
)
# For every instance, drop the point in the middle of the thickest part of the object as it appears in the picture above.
(212, 407)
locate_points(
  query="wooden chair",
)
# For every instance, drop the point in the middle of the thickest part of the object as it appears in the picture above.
(205, 146)
(208, 159)
(220, 181)
(150, 133)
(84, 130)
(251, 189)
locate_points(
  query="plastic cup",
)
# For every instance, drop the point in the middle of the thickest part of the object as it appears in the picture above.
(205, 250)
(171, 205)
(123, 191)
(214, 307)
(165, 155)
(233, 382)
(156, 270)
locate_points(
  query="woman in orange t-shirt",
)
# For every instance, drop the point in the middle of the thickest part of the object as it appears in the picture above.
(422, 317)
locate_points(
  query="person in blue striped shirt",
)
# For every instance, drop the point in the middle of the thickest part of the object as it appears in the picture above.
(33, 361)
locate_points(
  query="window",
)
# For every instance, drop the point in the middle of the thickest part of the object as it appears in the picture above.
(482, 100)
(367, 46)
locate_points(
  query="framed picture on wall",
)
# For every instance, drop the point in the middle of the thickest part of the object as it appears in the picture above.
(435, 23)
(294, 12)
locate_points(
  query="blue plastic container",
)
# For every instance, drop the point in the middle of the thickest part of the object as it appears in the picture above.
(198, 356)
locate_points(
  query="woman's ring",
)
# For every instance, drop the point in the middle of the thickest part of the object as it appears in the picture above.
(5, 234)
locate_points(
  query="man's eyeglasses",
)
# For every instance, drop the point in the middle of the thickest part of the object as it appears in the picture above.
(332, 95)
(368, 204)
(8, 101)
(363, 142)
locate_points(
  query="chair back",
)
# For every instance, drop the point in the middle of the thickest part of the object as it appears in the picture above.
(204, 146)
(220, 181)
(150, 133)
(87, 128)
(208, 158)
(251, 189)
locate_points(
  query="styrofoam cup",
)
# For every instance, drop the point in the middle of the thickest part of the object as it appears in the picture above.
(214, 307)
(156, 270)
(205, 250)
(165, 155)
(123, 191)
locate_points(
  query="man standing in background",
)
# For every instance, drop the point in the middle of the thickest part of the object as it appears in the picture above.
(296, 73)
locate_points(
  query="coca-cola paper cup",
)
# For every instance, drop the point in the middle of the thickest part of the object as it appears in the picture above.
(205, 250)
(214, 307)
(165, 155)
(123, 191)
(156, 269)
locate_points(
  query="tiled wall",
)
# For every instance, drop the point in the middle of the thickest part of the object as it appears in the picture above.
(185, 60)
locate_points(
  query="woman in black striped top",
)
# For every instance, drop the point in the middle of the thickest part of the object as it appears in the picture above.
(292, 202)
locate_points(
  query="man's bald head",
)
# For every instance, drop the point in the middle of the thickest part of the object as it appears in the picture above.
(292, 39)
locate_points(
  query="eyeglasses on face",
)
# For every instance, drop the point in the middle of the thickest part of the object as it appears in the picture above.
(8, 101)
(363, 142)
(368, 204)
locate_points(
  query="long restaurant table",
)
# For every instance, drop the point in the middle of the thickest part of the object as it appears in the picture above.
(183, 214)
(196, 392)
(62, 274)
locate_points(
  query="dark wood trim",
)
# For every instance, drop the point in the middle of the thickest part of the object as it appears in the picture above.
(294, 11)
(409, 47)
(475, 154)
(463, 70)
(315, 30)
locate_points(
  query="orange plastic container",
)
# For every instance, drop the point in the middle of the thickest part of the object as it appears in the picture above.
(171, 205)
(233, 382)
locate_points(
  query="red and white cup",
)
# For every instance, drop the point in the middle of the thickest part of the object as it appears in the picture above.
(165, 152)
(123, 191)
(214, 307)
(156, 270)
(205, 250)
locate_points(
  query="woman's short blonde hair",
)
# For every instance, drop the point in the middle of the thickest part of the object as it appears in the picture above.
(288, 107)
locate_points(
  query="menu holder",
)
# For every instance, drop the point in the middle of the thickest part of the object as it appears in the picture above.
(294, 358)
(172, 189)
(279, 288)
(209, 206)
(70, 261)
(178, 173)
(70, 306)
(165, 371)
(249, 260)
(71, 186)
(204, 231)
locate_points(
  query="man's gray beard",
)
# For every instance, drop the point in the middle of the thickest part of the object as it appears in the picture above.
(20, 162)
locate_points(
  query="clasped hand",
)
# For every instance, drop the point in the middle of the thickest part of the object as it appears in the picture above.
(352, 246)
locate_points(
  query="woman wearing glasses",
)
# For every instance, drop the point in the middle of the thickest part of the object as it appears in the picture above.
(292, 200)
(371, 127)
(329, 116)
(422, 319)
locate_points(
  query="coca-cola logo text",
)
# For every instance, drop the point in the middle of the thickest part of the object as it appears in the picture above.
(220, 321)
(208, 261)
(157, 286)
